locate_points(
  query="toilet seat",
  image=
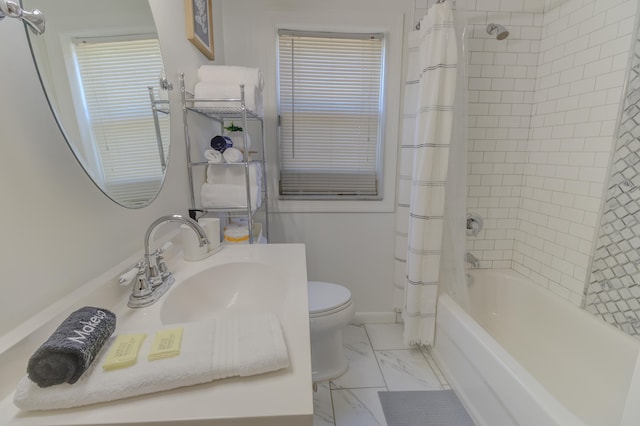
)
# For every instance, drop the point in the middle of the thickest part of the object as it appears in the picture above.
(327, 298)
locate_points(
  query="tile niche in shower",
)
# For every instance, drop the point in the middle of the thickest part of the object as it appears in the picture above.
(613, 292)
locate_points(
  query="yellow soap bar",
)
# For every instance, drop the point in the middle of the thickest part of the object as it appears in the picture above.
(124, 351)
(166, 344)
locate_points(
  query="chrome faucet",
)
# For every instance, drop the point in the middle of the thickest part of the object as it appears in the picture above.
(470, 258)
(153, 279)
(173, 218)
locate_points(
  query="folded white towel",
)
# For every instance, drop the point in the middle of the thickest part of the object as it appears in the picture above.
(234, 174)
(232, 155)
(213, 156)
(210, 350)
(226, 186)
(209, 90)
(231, 74)
(216, 196)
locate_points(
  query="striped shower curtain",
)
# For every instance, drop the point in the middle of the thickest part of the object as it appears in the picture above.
(426, 135)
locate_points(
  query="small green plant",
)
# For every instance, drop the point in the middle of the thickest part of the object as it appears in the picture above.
(233, 128)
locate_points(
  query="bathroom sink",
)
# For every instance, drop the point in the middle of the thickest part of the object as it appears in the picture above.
(230, 289)
(239, 280)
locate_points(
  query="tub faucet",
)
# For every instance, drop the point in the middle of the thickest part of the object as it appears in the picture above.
(153, 279)
(470, 258)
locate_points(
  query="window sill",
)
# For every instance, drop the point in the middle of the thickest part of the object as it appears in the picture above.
(386, 205)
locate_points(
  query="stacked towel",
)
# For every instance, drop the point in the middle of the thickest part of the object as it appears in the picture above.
(233, 174)
(226, 186)
(71, 349)
(209, 90)
(230, 74)
(223, 82)
(210, 350)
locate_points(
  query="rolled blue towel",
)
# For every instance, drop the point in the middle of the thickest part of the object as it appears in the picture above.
(72, 347)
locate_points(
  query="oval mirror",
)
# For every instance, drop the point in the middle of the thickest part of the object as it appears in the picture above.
(100, 67)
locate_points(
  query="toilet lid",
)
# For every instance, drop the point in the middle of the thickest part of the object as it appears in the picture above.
(325, 297)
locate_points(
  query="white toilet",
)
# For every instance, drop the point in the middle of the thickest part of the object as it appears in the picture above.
(330, 310)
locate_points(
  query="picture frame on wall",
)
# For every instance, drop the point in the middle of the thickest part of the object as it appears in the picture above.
(199, 20)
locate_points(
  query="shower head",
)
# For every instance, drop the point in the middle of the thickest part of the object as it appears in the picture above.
(500, 32)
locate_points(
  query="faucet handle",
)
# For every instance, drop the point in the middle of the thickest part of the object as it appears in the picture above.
(154, 278)
(474, 224)
(142, 287)
(159, 254)
(160, 264)
(127, 278)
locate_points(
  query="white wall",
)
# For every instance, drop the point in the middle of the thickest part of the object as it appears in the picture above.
(58, 229)
(353, 249)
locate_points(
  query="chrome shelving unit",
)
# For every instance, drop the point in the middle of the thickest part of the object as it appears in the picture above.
(221, 114)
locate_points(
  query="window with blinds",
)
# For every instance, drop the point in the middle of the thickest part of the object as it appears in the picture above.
(330, 114)
(115, 74)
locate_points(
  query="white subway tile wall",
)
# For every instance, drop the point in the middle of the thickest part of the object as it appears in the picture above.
(543, 105)
(583, 55)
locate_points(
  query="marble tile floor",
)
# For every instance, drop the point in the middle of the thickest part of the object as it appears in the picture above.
(378, 361)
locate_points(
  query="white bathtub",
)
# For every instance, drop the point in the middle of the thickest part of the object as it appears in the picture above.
(527, 357)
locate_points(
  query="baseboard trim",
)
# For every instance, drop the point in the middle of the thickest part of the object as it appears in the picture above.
(374, 318)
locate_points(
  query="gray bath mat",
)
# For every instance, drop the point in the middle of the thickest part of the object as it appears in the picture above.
(424, 408)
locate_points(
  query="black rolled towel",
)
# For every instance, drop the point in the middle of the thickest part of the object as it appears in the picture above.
(72, 347)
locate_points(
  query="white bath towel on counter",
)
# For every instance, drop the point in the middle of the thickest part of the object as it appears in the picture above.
(210, 350)
(231, 74)
(207, 90)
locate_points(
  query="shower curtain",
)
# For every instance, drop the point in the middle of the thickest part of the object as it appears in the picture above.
(429, 95)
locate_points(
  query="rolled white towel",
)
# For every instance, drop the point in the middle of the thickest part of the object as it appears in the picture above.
(210, 350)
(231, 74)
(232, 155)
(213, 156)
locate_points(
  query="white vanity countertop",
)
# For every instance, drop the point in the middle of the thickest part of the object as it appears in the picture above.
(273, 399)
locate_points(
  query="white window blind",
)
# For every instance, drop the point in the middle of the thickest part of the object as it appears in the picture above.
(330, 90)
(115, 74)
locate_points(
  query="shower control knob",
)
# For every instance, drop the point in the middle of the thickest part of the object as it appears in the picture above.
(474, 224)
